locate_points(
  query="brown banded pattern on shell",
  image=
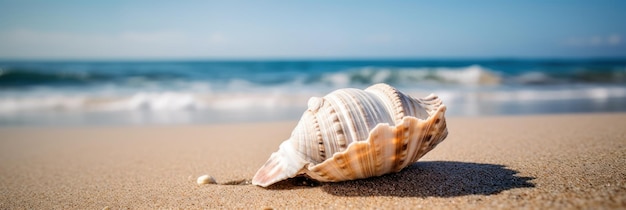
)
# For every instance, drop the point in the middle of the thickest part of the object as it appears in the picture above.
(352, 134)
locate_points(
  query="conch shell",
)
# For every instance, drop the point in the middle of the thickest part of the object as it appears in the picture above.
(353, 134)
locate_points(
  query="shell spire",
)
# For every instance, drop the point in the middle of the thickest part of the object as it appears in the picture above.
(353, 134)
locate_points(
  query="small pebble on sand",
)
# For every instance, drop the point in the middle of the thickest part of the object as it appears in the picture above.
(206, 179)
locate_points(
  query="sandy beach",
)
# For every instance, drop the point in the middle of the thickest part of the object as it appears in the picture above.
(544, 161)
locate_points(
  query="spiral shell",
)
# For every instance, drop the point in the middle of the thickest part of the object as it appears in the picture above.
(352, 134)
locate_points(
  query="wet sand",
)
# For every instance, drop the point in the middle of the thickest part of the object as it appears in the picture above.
(545, 161)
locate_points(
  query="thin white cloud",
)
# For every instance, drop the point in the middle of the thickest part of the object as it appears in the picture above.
(595, 41)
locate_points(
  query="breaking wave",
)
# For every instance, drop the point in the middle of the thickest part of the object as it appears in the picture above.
(218, 90)
(472, 75)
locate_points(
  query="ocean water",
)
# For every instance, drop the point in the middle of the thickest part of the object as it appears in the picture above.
(190, 92)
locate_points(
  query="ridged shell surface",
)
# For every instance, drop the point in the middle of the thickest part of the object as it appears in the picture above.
(352, 134)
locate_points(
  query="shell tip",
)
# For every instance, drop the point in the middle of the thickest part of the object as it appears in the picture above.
(280, 166)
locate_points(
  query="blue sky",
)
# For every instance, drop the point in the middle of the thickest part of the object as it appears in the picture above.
(113, 29)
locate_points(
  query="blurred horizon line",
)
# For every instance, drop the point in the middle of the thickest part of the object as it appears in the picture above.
(319, 59)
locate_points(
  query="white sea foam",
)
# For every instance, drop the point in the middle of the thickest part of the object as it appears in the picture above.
(270, 99)
(470, 75)
(266, 104)
(165, 101)
(150, 101)
(529, 95)
(36, 103)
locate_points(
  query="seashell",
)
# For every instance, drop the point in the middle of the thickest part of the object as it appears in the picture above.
(352, 134)
(205, 179)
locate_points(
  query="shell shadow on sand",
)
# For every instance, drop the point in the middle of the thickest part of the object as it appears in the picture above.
(426, 179)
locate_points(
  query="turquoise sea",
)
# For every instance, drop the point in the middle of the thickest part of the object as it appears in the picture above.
(191, 92)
